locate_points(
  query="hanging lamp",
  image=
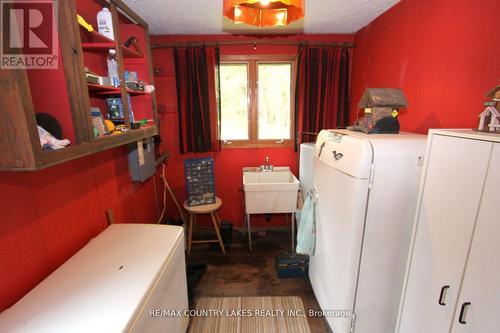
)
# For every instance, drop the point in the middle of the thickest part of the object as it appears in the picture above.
(264, 13)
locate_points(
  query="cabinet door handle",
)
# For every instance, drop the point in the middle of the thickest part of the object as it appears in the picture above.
(463, 312)
(442, 295)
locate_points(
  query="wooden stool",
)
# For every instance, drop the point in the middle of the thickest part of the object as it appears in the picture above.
(204, 209)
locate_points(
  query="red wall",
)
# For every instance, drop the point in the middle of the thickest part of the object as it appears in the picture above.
(47, 216)
(230, 161)
(444, 54)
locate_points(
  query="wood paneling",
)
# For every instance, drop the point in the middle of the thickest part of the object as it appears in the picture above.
(15, 141)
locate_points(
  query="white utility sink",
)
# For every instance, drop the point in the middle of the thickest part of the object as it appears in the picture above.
(270, 191)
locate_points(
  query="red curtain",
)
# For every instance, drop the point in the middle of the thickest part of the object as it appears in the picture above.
(196, 69)
(322, 90)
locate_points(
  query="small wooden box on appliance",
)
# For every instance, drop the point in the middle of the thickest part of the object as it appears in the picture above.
(452, 278)
(123, 280)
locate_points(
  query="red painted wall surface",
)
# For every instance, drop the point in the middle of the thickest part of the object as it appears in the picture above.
(230, 161)
(444, 54)
(47, 216)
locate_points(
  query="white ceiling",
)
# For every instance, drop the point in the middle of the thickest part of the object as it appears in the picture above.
(185, 17)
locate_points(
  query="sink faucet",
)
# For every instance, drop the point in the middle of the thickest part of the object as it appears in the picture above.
(267, 166)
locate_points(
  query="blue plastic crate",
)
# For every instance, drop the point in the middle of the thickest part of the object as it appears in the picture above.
(200, 182)
(292, 266)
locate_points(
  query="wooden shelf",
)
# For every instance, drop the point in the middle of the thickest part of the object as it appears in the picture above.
(129, 53)
(20, 143)
(97, 47)
(50, 158)
(144, 129)
(109, 90)
(101, 44)
(96, 37)
(136, 61)
(103, 89)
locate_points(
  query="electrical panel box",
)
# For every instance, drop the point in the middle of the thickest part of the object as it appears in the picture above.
(141, 159)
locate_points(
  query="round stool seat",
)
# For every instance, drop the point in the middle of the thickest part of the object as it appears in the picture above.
(203, 209)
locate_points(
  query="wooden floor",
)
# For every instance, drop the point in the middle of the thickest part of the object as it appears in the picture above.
(240, 273)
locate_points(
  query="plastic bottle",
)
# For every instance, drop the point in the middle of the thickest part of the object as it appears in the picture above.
(105, 23)
(113, 68)
(114, 109)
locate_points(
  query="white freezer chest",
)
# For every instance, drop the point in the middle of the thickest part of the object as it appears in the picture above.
(110, 285)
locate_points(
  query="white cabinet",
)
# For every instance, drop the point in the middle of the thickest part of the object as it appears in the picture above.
(452, 276)
(480, 294)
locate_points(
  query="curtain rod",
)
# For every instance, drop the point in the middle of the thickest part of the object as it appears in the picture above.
(254, 43)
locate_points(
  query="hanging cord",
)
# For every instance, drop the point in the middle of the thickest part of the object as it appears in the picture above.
(166, 187)
(155, 191)
(164, 180)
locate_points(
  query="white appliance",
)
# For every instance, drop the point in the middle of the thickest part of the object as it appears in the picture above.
(452, 281)
(116, 283)
(306, 167)
(367, 189)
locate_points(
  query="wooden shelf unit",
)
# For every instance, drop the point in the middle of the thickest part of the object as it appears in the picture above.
(64, 93)
(109, 90)
(101, 43)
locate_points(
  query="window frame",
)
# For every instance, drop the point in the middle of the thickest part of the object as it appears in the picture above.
(252, 62)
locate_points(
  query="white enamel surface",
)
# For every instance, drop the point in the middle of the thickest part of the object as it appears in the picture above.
(270, 191)
(345, 152)
(339, 228)
(480, 285)
(306, 166)
(455, 237)
(366, 204)
(109, 285)
(445, 226)
(205, 17)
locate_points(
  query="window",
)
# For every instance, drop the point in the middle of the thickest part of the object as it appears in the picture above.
(234, 101)
(256, 101)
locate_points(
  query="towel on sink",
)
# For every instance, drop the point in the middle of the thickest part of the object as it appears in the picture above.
(306, 236)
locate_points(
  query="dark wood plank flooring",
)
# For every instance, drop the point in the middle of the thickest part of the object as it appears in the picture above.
(240, 273)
